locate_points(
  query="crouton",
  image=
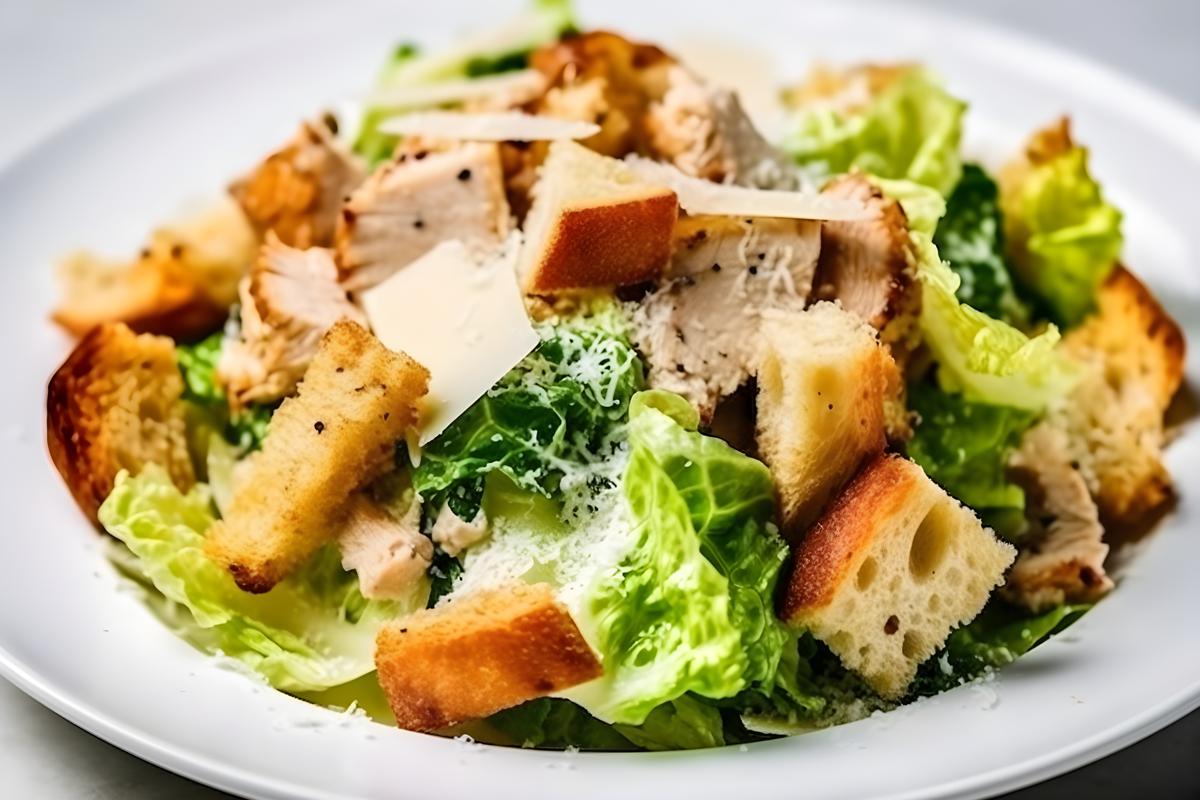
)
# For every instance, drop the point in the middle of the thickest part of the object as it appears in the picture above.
(298, 191)
(416, 201)
(867, 264)
(594, 224)
(336, 435)
(1063, 561)
(823, 382)
(289, 300)
(489, 651)
(1133, 354)
(114, 404)
(181, 284)
(891, 568)
(699, 330)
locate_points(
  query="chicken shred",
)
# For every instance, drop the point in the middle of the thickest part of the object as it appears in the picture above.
(287, 303)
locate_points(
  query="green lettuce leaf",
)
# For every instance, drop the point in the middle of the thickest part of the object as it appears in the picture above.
(964, 447)
(552, 723)
(1000, 635)
(910, 131)
(970, 237)
(541, 426)
(1064, 238)
(661, 620)
(686, 723)
(311, 632)
(985, 359)
(731, 500)
(666, 622)
(502, 48)
(198, 363)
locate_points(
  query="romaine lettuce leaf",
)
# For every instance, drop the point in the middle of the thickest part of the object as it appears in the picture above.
(987, 360)
(311, 632)
(964, 447)
(911, 130)
(553, 723)
(198, 363)
(501, 49)
(661, 620)
(970, 237)
(1000, 635)
(731, 500)
(1064, 238)
(542, 425)
(666, 622)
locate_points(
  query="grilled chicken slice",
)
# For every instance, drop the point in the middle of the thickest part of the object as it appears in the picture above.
(417, 201)
(866, 265)
(698, 329)
(390, 555)
(1065, 563)
(705, 132)
(288, 302)
(298, 190)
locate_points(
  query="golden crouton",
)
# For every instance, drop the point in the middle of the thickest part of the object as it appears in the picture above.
(472, 657)
(1135, 355)
(113, 405)
(181, 285)
(593, 224)
(823, 382)
(892, 567)
(337, 434)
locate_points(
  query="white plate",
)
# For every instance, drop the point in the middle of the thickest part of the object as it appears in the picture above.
(73, 639)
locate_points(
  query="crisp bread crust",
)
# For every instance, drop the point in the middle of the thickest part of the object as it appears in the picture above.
(481, 654)
(599, 244)
(88, 387)
(823, 559)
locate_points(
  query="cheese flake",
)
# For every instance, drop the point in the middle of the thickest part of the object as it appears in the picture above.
(460, 316)
(698, 196)
(506, 126)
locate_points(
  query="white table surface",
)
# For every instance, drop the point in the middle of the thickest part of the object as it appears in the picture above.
(76, 56)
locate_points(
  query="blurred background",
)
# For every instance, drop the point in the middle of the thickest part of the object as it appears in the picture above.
(71, 47)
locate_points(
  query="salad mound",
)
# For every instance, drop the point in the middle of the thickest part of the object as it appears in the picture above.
(546, 398)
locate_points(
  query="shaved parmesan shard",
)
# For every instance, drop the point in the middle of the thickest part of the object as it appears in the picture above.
(698, 196)
(459, 315)
(519, 87)
(508, 126)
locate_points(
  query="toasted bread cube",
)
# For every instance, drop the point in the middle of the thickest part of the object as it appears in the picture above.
(180, 285)
(593, 224)
(336, 435)
(114, 404)
(1135, 352)
(472, 657)
(892, 567)
(823, 383)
